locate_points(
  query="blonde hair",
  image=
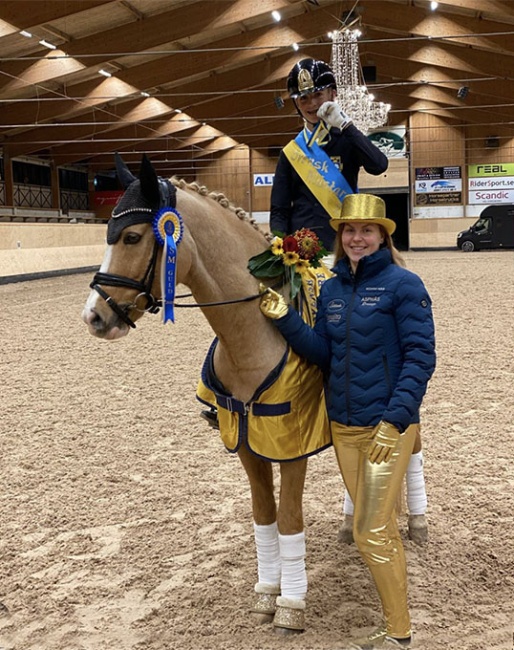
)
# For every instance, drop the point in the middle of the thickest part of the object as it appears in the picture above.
(339, 253)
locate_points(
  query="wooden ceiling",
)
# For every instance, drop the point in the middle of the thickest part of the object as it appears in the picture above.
(214, 70)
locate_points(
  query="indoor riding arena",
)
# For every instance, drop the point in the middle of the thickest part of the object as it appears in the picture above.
(127, 526)
(125, 522)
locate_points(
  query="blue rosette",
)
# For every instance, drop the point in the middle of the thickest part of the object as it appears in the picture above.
(168, 229)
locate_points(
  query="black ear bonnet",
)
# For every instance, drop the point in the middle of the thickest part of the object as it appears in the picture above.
(135, 207)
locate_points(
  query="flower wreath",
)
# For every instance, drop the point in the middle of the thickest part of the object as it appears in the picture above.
(290, 256)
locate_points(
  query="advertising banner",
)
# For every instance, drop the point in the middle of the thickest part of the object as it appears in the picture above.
(438, 185)
(491, 183)
(490, 197)
(106, 197)
(390, 141)
(448, 198)
(263, 180)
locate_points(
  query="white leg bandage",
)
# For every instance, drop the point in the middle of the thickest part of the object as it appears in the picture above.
(347, 503)
(268, 553)
(294, 575)
(415, 479)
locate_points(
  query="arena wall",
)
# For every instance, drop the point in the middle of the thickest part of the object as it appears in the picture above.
(45, 248)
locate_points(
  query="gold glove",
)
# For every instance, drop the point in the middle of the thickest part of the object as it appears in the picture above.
(273, 304)
(386, 436)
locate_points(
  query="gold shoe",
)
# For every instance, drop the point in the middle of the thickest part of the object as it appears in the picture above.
(379, 639)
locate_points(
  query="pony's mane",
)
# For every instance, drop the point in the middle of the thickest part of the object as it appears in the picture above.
(220, 198)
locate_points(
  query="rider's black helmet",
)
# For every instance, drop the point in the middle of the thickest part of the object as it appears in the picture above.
(309, 76)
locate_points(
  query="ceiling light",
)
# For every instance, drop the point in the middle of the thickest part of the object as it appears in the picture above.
(295, 47)
(104, 73)
(48, 45)
(276, 16)
(434, 5)
(145, 94)
(25, 33)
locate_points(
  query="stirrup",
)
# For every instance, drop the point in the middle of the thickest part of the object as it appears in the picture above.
(211, 417)
(266, 601)
(290, 614)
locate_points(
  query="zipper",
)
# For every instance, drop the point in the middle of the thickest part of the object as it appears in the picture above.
(348, 347)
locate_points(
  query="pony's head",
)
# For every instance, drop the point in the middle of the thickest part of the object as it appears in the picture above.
(128, 284)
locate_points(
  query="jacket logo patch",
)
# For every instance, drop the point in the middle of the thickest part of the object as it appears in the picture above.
(336, 305)
(370, 300)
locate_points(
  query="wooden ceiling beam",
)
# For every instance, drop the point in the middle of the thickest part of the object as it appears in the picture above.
(24, 14)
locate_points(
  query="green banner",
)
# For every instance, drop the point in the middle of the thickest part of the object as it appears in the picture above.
(491, 169)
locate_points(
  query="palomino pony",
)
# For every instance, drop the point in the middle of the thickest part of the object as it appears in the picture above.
(212, 253)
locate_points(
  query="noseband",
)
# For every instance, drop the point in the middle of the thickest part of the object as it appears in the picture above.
(122, 219)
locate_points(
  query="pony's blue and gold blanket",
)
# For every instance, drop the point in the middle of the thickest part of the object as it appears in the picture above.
(286, 418)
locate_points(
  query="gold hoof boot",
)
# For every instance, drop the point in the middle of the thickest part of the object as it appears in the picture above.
(345, 535)
(266, 601)
(418, 529)
(290, 616)
(379, 639)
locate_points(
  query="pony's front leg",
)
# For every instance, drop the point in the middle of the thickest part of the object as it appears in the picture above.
(260, 476)
(289, 617)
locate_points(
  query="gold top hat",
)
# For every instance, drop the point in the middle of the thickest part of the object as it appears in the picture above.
(364, 207)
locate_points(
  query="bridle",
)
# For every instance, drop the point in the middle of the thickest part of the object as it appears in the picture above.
(120, 219)
(152, 304)
(144, 287)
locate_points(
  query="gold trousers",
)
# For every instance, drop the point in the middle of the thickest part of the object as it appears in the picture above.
(374, 489)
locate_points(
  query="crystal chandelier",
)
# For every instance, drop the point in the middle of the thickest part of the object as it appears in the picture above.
(352, 93)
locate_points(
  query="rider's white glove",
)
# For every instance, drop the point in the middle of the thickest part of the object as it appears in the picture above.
(333, 115)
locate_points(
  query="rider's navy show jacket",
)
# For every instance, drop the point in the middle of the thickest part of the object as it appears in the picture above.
(294, 206)
(374, 335)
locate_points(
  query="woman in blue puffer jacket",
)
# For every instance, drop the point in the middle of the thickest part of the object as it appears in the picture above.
(374, 337)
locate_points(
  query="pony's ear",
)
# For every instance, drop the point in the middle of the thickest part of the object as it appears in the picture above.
(149, 181)
(124, 174)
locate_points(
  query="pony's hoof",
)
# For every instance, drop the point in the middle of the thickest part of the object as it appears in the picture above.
(262, 619)
(418, 529)
(345, 535)
(265, 605)
(285, 631)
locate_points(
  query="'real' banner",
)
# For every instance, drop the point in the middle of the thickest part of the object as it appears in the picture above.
(491, 183)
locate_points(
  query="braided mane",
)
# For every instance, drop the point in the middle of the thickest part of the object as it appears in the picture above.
(220, 198)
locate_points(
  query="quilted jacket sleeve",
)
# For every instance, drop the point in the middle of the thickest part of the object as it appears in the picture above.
(311, 343)
(415, 324)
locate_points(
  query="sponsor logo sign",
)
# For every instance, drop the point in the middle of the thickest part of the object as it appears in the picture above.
(491, 183)
(438, 185)
(263, 180)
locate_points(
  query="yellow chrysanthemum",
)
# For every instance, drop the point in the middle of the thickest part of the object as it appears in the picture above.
(290, 258)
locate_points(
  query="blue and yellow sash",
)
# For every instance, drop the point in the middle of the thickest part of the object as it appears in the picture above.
(317, 170)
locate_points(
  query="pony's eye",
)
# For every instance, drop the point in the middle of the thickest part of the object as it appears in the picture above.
(131, 238)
